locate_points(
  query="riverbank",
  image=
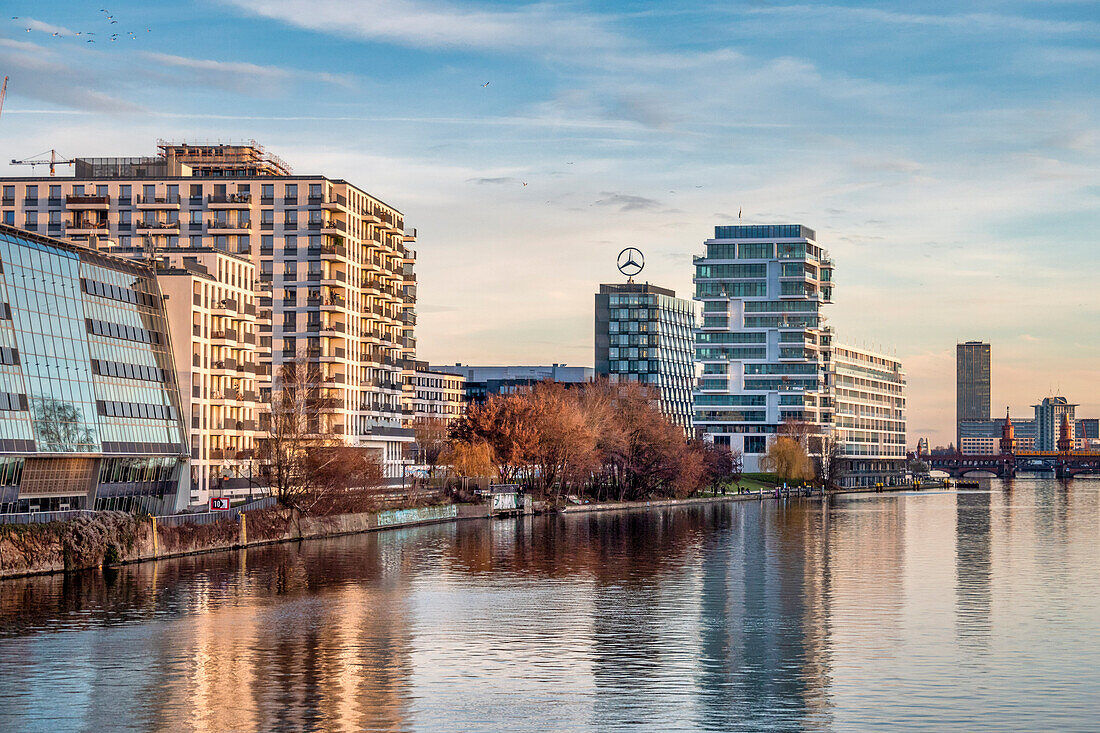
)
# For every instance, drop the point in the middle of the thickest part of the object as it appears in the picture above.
(115, 538)
(610, 506)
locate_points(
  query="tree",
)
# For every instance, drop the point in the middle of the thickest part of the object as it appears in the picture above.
(432, 435)
(721, 464)
(828, 460)
(470, 459)
(292, 432)
(787, 459)
(507, 424)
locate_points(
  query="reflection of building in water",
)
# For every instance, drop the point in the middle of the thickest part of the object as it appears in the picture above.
(89, 406)
(973, 568)
(763, 618)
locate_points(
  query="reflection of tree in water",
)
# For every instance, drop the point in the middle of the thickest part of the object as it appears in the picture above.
(59, 426)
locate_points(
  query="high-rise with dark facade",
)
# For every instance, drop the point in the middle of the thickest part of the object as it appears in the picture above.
(971, 384)
(90, 413)
(645, 334)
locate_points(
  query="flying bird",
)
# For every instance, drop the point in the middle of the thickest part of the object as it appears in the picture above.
(89, 41)
(114, 22)
(485, 85)
(28, 30)
(525, 183)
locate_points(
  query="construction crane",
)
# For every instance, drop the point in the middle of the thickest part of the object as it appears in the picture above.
(41, 159)
(3, 93)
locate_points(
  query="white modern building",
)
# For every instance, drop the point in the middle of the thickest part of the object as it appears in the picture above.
(768, 356)
(763, 340)
(868, 416)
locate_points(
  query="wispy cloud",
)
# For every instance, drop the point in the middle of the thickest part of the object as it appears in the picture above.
(627, 202)
(431, 24)
(239, 76)
(965, 22)
(500, 180)
(41, 27)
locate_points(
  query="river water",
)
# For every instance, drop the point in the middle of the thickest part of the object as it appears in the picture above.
(969, 611)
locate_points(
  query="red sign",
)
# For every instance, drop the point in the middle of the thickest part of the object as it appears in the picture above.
(219, 502)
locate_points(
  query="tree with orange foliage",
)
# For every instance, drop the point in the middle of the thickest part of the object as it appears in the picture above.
(787, 459)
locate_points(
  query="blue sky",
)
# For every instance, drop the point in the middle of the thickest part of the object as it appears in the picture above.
(946, 152)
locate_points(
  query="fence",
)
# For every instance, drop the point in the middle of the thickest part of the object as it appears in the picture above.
(172, 520)
(175, 520)
(44, 517)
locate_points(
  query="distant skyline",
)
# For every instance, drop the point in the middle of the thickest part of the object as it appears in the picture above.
(946, 153)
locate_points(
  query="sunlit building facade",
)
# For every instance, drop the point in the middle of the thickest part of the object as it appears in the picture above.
(334, 284)
(90, 413)
(868, 414)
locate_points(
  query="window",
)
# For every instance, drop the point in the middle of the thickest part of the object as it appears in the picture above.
(173, 193)
(101, 190)
(124, 193)
(196, 240)
(55, 192)
(290, 269)
(267, 267)
(31, 221)
(149, 192)
(291, 192)
(9, 218)
(290, 219)
(267, 216)
(315, 190)
(32, 194)
(9, 193)
(756, 444)
(290, 243)
(195, 216)
(290, 321)
(124, 241)
(267, 243)
(267, 191)
(196, 192)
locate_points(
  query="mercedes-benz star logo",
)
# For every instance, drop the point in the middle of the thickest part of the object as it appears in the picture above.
(631, 261)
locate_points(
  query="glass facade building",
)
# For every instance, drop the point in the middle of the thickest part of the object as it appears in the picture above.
(972, 378)
(90, 412)
(644, 334)
(1048, 421)
(763, 342)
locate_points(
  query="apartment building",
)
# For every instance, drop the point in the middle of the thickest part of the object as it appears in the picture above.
(763, 341)
(334, 283)
(212, 296)
(90, 412)
(868, 416)
(436, 394)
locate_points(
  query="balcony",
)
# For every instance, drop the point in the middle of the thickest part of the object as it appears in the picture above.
(333, 329)
(410, 235)
(87, 227)
(227, 337)
(334, 355)
(157, 202)
(334, 301)
(230, 201)
(335, 202)
(334, 251)
(100, 203)
(228, 305)
(158, 227)
(228, 227)
(333, 226)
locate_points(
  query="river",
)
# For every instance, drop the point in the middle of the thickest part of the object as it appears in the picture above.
(977, 610)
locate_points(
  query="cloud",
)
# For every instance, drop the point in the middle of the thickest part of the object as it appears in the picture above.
(41, 74)
(964, 22)
(492, 181)
(429, 24)
(38, 25)
(239, 76)
(627, 202)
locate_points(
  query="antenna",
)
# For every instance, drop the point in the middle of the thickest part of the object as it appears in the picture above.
(3, 93)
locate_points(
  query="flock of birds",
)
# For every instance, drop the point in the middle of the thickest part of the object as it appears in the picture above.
(110, 21)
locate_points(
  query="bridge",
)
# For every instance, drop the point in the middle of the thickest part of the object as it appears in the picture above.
(1064, 464)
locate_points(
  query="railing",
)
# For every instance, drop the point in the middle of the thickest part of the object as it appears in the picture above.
(87, 199)
(42, 517)
(177, 520)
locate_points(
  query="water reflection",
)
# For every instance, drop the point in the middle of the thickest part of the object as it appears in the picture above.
(926, 612)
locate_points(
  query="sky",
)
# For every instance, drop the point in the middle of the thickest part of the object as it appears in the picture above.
(946, 153)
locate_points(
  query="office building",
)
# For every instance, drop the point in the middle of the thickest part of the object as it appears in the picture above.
(763, 341)
(971, 383)
(644, 334)
(1088, 433)
(334, 268)
(983, 437)
(1048, 421)
(90, 412)
(482, 381)
(868, 418)
(437, 395)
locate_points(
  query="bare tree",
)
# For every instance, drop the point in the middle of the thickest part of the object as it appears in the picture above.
(292, 431)
(431, 441)
(787, 459)
(828, 458)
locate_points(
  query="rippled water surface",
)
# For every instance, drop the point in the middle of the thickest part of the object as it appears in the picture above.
(935, 611)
